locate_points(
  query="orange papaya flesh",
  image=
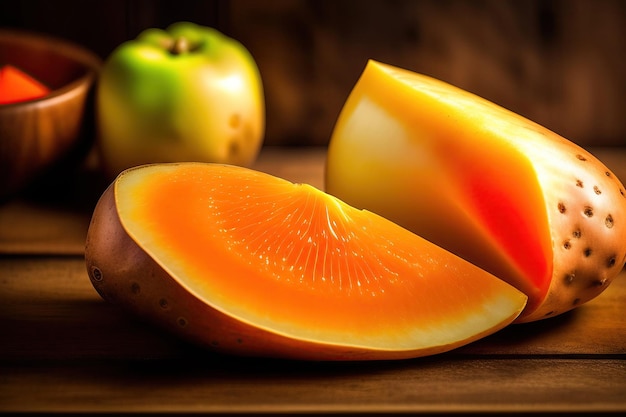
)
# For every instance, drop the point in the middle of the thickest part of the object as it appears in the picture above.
(495, 200)
(298, 265)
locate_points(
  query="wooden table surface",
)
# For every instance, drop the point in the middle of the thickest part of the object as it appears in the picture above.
(63, 349)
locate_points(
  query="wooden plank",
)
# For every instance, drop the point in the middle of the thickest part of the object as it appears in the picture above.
(295, 164)
(437, 384)
(32, 228)
(49, 310)
(64, 349)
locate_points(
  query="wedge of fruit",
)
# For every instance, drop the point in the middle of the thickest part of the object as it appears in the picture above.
(500, 191)
(252, 264)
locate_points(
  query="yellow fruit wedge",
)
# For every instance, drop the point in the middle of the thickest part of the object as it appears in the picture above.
(502, 192)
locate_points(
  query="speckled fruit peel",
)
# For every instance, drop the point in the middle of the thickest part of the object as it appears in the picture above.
(503, 192)
(250, 264)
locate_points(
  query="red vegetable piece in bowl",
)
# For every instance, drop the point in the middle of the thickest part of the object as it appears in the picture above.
(16, 86)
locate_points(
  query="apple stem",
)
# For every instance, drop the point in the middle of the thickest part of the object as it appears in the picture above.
(180, 46)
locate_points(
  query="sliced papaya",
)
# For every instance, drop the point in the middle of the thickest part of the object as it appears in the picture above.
(251, 264)
(489, 185)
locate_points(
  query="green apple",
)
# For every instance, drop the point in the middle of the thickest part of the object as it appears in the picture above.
(187, 93)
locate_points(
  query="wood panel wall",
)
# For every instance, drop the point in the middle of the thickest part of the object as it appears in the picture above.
(558, 62)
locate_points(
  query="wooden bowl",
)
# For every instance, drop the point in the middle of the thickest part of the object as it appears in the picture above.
(36, 134)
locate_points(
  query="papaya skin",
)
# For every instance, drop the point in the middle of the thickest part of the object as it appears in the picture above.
(124, 274)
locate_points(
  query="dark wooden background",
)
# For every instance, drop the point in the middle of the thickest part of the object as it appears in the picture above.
(558, 62)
